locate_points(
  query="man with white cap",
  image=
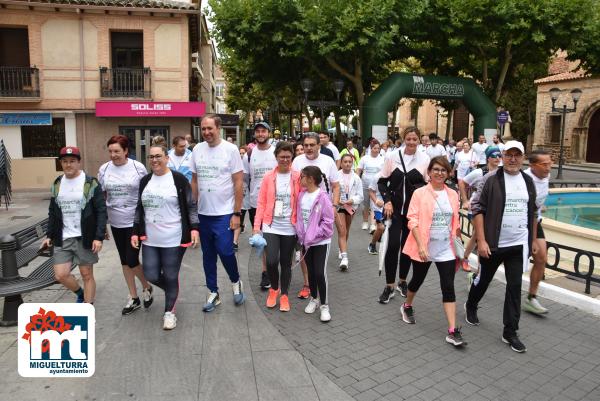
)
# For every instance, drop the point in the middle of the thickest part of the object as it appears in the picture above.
(505, 220)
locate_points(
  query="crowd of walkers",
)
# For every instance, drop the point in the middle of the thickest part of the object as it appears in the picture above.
(296, 195)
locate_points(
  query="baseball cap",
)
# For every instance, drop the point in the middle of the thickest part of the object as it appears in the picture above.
(262, 124)
(492, 151)
(514, 145)
(70, 151)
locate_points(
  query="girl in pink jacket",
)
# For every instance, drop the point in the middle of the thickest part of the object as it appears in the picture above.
(315, 229)
(433, 224)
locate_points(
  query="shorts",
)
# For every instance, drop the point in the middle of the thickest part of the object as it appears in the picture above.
(540, 231)
(366, 198)
(129, 255)
(72, 251)
(378, 216)
(343, 211)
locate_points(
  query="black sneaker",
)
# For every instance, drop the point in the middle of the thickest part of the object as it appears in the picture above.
(386, 295)
(403, 288)
(265, 284)
(147, 296)
(408, 314)
(515, 344)
(471, 316)
(372, 249)
(131, 306)
(455, 338)
(235, 247)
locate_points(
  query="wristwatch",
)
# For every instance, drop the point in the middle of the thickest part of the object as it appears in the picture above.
(238, 214)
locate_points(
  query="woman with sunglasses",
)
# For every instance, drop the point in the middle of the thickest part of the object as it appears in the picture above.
(433, 223)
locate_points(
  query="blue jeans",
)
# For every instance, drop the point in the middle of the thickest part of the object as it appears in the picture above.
(217, 239)
(161, 268)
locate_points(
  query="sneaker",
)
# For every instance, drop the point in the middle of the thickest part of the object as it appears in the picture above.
(147, 297)
(212, 301)
(372, 229)
(238, 293)
(408, 314)
(533, 305)
(312, 306)
(272, 298)
(515, 344)
(344, 264)
(236, 247)
(131, 306)
(304, 292)
(284, 303)
(365, 225)
(325, 315)
(403, 288)
(265, 284)
(465, 265)
(372, 249)
(386, 295)
(169, 321)
(340, 255)
(471, 316)
(455, 338)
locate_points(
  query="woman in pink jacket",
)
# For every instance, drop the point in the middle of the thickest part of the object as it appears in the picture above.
(276, 217)
(315, 229)
(433, 224)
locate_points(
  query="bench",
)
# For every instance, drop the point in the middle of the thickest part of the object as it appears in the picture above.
(18, 250)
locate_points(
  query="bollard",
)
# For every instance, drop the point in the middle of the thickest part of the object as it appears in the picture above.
(10, 271)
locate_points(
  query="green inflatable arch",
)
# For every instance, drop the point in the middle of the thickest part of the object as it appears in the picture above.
(399, 85)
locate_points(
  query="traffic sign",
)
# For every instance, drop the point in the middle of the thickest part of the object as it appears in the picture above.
(502, 117)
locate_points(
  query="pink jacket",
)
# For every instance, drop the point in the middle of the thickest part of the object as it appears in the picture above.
(320, 222)
(266, 198)
(420, 215)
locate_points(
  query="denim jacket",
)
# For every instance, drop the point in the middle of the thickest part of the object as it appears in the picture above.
(320, 222)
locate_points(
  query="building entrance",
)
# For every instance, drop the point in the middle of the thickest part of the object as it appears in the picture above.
(593, 142)
(140, 138)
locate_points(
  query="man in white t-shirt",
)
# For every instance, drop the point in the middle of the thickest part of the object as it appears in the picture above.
(258, 161)
(217, 184)
(479, 150)
(425, 143)
(505, 221)
(180, 158)
(313, 157)
(325, 142)
(435, 149)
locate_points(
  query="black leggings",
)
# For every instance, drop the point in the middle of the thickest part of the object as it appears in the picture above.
(316, 263)
(397, 238)
(446, 269)
(280, 251)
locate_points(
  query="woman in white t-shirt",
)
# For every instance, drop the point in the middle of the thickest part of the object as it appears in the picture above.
(368, 167)
(120, 179)
(464, 160)
(166, 221)
(351, 196)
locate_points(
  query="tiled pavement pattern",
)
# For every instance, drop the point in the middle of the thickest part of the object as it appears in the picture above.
(372, 354)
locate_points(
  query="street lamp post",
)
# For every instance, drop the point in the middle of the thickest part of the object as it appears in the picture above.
(307, 85)
(554, 94)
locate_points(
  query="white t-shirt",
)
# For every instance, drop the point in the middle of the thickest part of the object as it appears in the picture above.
(514, 220)
(70, 201)
(479, 149)
(308, 200)
(261, 161)
(541, 190)
(121, 184)
(281, 223)
(214, 167)
(434, 151)
(324, 162)
(463, 162)
(334, 150)
(439, 247)
(162, 214)
(373, 186)
(370, 166)
(451, 151)
(182, 164)
(472, 179)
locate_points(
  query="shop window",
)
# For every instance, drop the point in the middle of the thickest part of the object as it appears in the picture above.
(43, 140)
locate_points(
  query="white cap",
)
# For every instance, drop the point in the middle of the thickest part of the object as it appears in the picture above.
(514, 145)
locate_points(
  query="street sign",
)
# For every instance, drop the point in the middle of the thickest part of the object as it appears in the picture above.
(502, 117)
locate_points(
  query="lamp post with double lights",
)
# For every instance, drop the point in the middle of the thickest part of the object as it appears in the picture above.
(554, 94)
(307, 85)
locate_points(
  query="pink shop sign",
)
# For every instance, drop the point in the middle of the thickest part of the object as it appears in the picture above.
(150, 109)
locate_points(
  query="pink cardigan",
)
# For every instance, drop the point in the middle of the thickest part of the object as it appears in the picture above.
(420, 215)
(266, 198)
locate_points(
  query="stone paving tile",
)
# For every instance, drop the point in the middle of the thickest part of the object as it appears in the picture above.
(366, 349)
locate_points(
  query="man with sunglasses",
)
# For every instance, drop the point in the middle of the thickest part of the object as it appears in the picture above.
(540, 165)
(505, 221)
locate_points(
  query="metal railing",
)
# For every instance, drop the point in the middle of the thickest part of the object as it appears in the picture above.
(5, 175)
(574, 183)
(19, 82)
(125, 82)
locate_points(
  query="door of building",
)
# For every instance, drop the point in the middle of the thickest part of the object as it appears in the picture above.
(140, 138)
(593, 142)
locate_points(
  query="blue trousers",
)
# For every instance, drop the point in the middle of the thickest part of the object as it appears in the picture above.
(161, 268)
(217, 239)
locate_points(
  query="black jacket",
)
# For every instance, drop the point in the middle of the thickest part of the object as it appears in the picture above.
(187, 208)
(93, 215)
(399, 187)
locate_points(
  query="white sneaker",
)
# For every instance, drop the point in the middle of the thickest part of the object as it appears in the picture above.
(372, 228)
(325, 315)
(344, 264)
(169, 321)
(340, 255)
(365, 225)
(533, 305)
(312, 306)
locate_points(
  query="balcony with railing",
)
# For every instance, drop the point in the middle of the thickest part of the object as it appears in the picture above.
(125, 83)
(19, 83)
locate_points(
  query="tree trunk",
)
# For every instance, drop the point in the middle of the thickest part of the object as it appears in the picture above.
(504, 70)
(449, 123)
(338, 128)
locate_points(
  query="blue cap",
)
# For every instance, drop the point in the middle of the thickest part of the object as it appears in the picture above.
(492, 151)
(262, 124)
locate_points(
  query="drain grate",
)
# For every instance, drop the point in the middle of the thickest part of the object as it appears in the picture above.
(19, 217)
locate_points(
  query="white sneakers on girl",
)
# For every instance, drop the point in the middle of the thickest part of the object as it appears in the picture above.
(312, 306)
(169, 321)
(325, 315)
